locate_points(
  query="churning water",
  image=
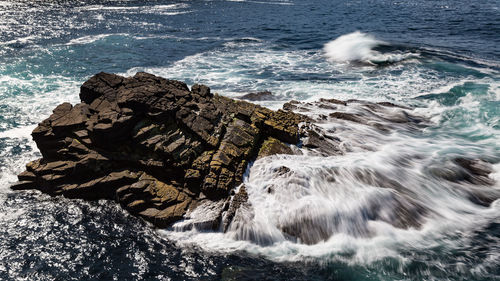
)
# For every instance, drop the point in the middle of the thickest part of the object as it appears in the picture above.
(399, 201)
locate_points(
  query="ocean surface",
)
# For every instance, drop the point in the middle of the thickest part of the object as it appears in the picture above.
(441, 58)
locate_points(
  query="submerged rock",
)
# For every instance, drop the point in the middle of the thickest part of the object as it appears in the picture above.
(258, 96)
(153, 145)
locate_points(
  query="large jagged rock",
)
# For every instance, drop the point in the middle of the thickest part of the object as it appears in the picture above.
(153, 145)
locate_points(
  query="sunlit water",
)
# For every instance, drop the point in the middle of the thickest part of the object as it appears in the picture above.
(439, 58)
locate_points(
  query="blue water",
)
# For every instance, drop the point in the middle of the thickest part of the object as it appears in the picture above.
(440, 57)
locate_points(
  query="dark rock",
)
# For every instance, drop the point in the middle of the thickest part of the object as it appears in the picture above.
(282, 170)
(258, 96)
(154, 146)
(334, 101)
(23, 185)
(347, 116)
(239, 199)
(272, 146)
(320, 142)
(293, 105)
(390, 104)
(475, 167)
(461, 169)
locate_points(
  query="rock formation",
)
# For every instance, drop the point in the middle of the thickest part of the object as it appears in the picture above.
(167, 153)
(153, 145)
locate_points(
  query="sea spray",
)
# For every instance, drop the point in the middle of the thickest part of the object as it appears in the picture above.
(389, 190)
(43, 237)
(358, 47)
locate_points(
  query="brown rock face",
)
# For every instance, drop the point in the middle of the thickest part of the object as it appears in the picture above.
(153, 145)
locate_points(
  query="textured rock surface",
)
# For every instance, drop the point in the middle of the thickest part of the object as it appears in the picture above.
(153, 145)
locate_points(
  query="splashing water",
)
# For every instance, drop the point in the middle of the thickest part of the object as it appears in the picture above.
(399, 201)
(396, 185)
(358, 47)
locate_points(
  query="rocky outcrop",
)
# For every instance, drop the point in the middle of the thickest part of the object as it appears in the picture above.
(166, 152)
(153, 145)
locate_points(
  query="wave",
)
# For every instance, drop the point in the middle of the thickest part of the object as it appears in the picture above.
(359, 47)
(248, 65)
(484, 65)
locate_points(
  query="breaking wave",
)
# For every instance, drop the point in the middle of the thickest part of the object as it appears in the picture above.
(359, 47)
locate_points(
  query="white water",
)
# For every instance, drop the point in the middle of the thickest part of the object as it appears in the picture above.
(382, 176)
(246, 65)
(348, 207)
(358, 47)
(306, 193)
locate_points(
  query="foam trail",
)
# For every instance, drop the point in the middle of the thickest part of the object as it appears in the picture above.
(358, 47)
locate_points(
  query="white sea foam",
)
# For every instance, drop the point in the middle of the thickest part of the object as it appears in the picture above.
(346, 206)
(154, 7)
(358, 47)
(18, 133)
(21, 40)
(347, 203)
(92, 38)
(243, 66)
(27, 101)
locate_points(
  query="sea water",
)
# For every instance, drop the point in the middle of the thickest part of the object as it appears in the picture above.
(440, 58)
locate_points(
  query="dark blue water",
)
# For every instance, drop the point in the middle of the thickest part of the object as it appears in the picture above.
(442, 57)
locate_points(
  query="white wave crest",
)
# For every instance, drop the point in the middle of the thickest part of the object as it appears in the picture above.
(358, 47)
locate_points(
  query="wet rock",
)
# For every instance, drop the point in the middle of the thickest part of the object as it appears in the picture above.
(384, 117)
(474, 171)
(239, 200)
(207, 215)
(154, 146)
(475, 167)
(320, 142)
(272, 146)
(258, 96)
(347, 116)
(294, 105)
(390, 104)
(332, 101)
(282, 170)
(307, 230)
